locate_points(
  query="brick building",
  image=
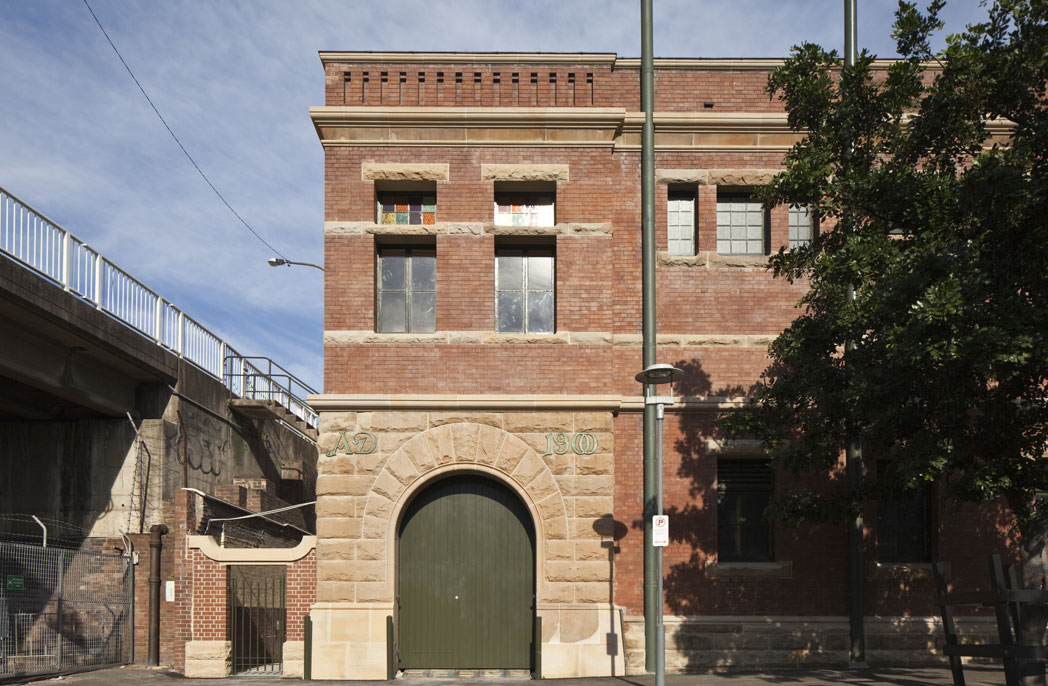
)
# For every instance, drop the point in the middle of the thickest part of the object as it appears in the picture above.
(481, 417)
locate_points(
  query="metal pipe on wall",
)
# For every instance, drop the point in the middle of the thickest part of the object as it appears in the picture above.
(155, 546)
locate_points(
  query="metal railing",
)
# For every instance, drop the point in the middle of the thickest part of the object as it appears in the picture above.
(261, 378)
(62, 610)
(33, 240)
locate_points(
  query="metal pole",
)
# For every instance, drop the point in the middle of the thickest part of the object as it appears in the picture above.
(647, 98)
(155, 545)
(853, 459)
(660, 628)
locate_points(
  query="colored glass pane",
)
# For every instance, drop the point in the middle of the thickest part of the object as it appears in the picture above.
(428, 218)
(389, 217)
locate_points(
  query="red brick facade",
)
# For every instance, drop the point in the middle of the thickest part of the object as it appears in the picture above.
(715, 316)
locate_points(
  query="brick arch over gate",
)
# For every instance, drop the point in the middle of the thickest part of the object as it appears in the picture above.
(465, 448)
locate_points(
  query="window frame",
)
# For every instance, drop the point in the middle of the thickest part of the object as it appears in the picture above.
(525, 250)
(728, 195)
(682, 195)
(792, 242)
(738, 541)
(409, 289)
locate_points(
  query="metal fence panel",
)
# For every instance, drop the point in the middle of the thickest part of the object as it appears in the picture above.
(62, 610)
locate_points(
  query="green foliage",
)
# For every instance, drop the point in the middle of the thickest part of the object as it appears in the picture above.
(941, 232)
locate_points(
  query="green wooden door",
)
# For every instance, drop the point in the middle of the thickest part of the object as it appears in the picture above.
(466, 580)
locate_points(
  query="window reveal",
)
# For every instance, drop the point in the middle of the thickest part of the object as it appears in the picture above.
(407, 290)
(524, 293)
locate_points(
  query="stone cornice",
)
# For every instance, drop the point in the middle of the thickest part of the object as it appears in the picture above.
(209, 547)
(363, 57)
(350, 228)
(665, 340)
(346, 402)
(724, 64)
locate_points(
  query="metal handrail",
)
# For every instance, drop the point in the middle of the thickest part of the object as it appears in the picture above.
(31, 239)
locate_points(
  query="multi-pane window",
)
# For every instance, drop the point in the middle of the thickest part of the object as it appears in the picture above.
(680, 223)
(741, 229)
(524, 294)
(407, 208)
(407, 290)
(903, 533)
(524, 209)
(802, 226)
(744, 490)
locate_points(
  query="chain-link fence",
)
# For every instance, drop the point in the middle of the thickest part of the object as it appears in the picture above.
(62, 610)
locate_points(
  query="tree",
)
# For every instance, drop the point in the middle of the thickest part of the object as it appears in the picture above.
(931, 185)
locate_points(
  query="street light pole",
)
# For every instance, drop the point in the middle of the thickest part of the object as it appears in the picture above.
(654, 375)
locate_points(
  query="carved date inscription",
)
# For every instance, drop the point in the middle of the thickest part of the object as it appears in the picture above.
(362, 443)
(580, 444)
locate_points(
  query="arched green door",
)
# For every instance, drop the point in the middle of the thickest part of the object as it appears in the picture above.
(466, 578)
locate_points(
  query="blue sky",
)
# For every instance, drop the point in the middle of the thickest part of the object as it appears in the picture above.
(234, 79)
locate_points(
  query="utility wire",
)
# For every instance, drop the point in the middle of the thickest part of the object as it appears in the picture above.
(164, 122)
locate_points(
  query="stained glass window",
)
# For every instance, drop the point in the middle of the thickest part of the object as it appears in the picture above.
(524, 290)
(524, 209)
(407, 208)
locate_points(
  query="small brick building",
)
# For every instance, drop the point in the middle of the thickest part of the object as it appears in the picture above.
(482, 330)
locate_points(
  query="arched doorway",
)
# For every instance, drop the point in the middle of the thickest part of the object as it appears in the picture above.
(466, 577)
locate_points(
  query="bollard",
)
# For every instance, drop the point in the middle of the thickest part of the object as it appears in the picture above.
(307, 648)
(537, 649)
(391, 663)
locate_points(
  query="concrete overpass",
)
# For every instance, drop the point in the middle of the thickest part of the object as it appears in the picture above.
(111, 398)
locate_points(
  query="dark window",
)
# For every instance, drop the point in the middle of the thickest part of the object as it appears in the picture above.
(744, 489)
(524, 293)
(902, 529)
(407, 290)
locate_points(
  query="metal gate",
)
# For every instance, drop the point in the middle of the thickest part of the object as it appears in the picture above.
(466, 582)
(63, 610)
(257, 617)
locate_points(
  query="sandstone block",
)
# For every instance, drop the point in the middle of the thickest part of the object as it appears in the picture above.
(374, 592)
(577, 625)
(599, 463)
(591, 551)
(402, 468)
(379, 506)
(458, 417)
(335, 549)
(350, 570)
(594, 485)
(343, 484)
(375, 527)
(489, 442)
(417, 450)
(465, 437)
(371, 550)
(441, 444)
(338, 527)
(337, 464)
(398, 171)
(387, 485)
(594, 506)
(593, 592)
(336, 506)
(593, 422)
(512, 451)
(556, 592)
(337, 421)
(538, 422)
(524, 172)
(542, 486)
(528, 468)
(560, 550)
(399, 421)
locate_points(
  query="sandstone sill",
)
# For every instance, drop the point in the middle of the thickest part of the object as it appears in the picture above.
(763, 570)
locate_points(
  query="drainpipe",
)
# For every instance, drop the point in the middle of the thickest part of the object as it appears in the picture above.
(155, 545)
(647, 202)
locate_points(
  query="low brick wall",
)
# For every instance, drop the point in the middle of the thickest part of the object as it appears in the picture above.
(708, 644)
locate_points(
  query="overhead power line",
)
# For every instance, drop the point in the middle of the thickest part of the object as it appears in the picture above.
(182, 147)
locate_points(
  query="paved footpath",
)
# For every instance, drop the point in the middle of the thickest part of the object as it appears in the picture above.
(975, 675)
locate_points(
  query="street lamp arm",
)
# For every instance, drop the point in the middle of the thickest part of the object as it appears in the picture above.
(280, 262)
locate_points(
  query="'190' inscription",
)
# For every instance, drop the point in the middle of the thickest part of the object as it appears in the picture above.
(580, 444)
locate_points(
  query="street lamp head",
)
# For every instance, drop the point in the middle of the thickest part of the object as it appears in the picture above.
(276, 261)
(659, 373)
